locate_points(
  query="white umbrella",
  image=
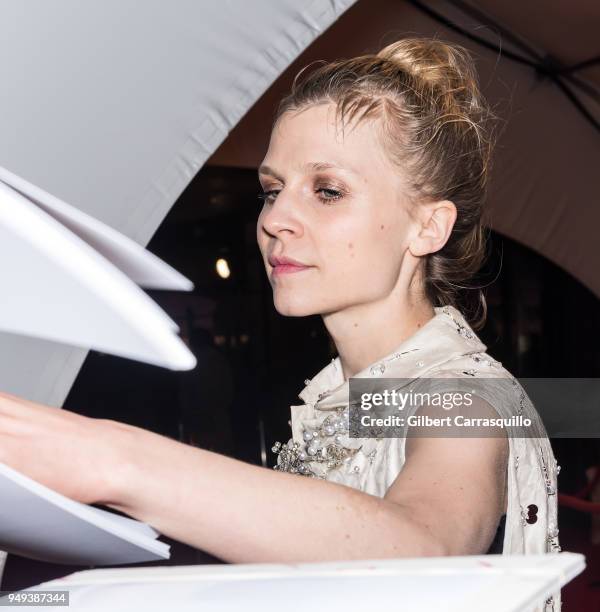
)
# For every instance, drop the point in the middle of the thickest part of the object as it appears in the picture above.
(114, 106)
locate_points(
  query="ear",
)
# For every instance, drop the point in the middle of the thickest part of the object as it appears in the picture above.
(436, 220)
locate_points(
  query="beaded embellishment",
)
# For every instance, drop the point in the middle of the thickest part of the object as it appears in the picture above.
(485, 360)
(549, 488)
(321, 445)
(464, 331)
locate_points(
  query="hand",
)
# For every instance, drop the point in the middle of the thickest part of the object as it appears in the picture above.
(76, 456)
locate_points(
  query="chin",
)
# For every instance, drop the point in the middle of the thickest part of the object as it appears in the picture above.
(294, 308)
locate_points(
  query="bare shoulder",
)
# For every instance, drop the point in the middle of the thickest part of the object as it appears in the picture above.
(453, 479)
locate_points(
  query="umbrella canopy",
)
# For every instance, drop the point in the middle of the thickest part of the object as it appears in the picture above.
(115, 106)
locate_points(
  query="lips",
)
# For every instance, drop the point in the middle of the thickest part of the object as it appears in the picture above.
(286, 261)
(285, 265)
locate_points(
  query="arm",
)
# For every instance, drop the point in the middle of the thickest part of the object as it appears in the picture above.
(447, 500)
(245, 513)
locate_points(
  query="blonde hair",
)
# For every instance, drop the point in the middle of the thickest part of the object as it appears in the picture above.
(436, 126)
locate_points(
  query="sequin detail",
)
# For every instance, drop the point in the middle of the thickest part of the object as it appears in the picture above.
(377, 369)
(521, 396)
(550, 490)
(485, 360)
(322, 445)
(552, 540)
(463, 330)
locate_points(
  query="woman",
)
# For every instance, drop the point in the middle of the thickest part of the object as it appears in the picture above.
(376, 229)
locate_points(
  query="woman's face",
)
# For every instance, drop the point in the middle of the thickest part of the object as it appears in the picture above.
(349, 224)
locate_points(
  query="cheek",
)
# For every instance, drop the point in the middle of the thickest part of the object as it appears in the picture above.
(360, 243)
(365, 257)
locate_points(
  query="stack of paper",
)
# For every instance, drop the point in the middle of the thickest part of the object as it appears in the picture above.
(67, 277)
(494, 583)
(39, 523)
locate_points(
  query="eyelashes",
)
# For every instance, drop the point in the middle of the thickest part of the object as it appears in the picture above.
(333, 195)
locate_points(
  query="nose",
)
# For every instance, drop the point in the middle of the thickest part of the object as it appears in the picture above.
(281, 217)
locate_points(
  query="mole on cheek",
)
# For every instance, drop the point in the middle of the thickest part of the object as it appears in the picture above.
(382, 226)
(351, 246)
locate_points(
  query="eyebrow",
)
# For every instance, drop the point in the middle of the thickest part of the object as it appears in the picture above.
(315, 166)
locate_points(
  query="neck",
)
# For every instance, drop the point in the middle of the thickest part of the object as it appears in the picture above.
(365, 333)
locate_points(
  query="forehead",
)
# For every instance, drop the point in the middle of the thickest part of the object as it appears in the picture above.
(299, 138)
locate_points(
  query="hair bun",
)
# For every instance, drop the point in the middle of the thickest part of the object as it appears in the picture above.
(445, 69)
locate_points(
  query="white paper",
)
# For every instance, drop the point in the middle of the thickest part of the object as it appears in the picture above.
(57, 287)
(495, 583)
(141, 266)
(39, 523)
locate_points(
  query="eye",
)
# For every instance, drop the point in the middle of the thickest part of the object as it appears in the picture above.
(331, 195)
(266, 196)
